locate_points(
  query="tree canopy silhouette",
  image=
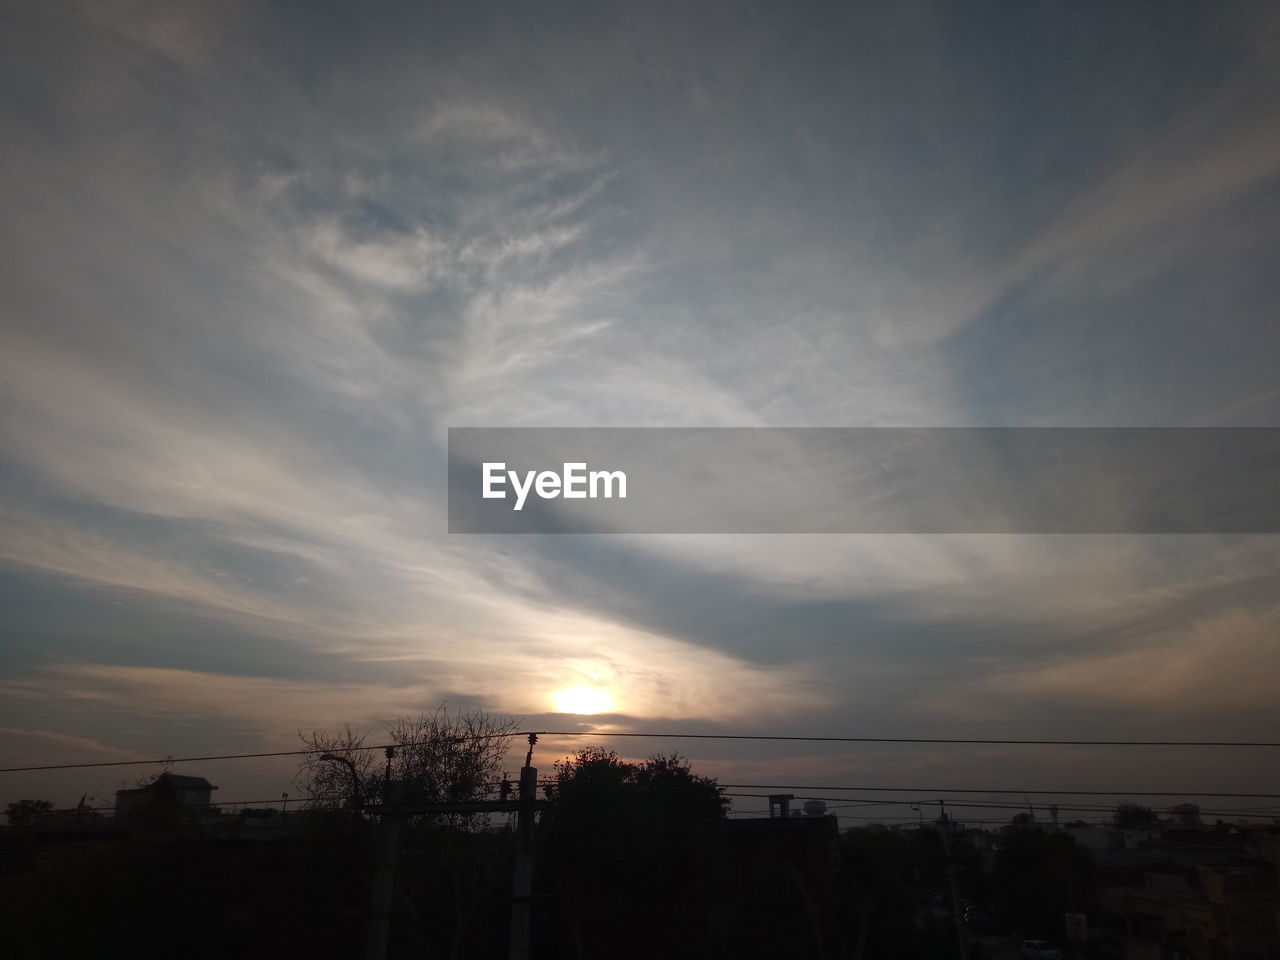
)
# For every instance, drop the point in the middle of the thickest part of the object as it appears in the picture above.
(1134, 815)
(27, 813)
(624, 843)
(438, 758)
(595, 788)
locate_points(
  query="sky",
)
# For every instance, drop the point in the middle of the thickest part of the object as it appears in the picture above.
(257, 258)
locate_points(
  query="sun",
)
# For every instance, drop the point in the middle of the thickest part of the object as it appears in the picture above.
(582, 699)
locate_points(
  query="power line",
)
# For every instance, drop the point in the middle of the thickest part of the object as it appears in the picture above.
(691, 736)
(225, 756)
(299, 802)
(254, 756)
(812, 793)
(943, 791)
(936, 791)
(951, 740)
(836, 803)
(833, 804)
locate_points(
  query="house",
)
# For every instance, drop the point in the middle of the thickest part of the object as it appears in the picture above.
(168, 789)
(1199, 913)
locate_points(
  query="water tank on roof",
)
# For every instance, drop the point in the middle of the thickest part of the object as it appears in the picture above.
(815, 808)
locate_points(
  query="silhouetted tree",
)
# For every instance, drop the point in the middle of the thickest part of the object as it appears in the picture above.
(628, 843)
(27, 813)
(328, 784)
(439, 757)
(450, 873)
(443, 757)
(595, 787)
(881, 896)
(1134, 815)
(1039, 876)
(889, 877)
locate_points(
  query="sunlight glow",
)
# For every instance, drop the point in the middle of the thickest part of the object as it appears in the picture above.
(582, 700)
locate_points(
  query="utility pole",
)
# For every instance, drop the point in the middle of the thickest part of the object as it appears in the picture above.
(393, 811)
(522, 876)
(384, 871)
(944, 825)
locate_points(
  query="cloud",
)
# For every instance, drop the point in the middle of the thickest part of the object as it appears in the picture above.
(1163, 203)
(520, 676)
(255, 265)
(1217, 662)
(65, 747)
(1158, 207)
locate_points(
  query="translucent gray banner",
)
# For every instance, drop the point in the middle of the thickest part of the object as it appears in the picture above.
(864, 480)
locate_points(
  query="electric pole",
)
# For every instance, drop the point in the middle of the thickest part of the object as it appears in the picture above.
(944, 825)
(384, 871)
(522, 876)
